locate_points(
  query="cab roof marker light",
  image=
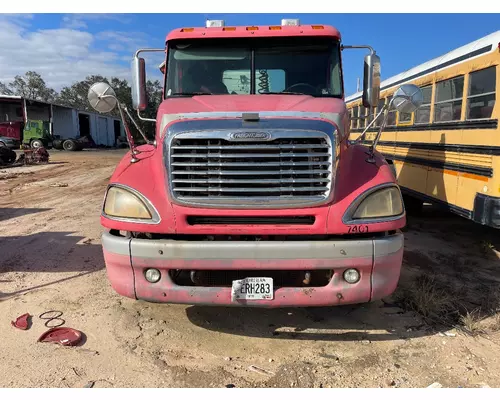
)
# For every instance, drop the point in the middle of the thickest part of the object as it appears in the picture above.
(252, 28)
(215, 23)
(290, 22)
(187, 29)
(317, 27)
(275, 28)
(232, 28)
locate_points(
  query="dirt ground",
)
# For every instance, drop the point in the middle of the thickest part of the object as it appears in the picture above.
(441, 325)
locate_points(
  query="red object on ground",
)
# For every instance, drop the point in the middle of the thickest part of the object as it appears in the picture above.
(63, 336)
(21, 322)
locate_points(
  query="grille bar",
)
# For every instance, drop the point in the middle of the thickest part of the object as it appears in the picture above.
(250, 189)
(248, 155)
(238, 181)
(248, 164)
(260, 172)
(207, 168)
(254, 146)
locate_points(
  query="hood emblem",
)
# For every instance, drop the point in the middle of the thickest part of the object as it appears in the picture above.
(249, 136)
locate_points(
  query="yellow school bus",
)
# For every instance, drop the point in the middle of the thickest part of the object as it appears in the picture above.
(448, 151)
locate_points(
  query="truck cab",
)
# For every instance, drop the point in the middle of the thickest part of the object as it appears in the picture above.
(250, 193)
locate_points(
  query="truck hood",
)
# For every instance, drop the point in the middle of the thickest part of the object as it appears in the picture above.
(251, 103)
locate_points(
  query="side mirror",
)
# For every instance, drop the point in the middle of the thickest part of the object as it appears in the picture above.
(139, 94)
(408, 98)
(102, 97)
(371, 80)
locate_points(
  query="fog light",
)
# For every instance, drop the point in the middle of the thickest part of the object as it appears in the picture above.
(351, 275)
(152, 275)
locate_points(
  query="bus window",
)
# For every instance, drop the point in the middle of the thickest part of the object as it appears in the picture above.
(423, 114)
(448, 102)
(391, 117)
(362, 117)
(355, 111)
(404, 118)
(380, 104)
(481, 97)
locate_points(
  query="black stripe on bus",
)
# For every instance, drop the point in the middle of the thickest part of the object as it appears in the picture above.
(444, 126)
(458, 148)
(463, 212)
(474, 53)
(476, 170)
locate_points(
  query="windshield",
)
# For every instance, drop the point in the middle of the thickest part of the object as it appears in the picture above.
(308, 66)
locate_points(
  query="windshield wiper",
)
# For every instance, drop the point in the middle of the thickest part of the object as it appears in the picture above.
(189, 94)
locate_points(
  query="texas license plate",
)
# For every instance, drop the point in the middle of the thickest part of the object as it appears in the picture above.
(252, 289)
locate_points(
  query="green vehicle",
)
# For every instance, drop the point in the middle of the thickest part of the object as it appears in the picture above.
(36, 134)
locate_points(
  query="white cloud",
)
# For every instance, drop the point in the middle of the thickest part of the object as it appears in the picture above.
(68, 54)
(80, 21)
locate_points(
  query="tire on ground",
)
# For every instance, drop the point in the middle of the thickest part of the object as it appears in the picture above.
(70, 145)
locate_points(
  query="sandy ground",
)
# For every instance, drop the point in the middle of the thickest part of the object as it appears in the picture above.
(51, 259)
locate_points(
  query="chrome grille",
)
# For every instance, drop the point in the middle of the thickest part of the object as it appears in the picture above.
(211, 169)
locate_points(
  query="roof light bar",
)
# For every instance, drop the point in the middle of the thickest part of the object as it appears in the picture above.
(290, 22)
(215, 23)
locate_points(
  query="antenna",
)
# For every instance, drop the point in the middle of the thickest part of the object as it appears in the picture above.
(357, 85)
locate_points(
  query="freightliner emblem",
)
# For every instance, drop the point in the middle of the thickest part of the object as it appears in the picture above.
(248, 136)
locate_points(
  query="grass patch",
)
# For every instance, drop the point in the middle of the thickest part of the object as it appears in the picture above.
(442, 305)
(426, 296)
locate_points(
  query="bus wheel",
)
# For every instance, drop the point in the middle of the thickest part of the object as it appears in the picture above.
(413, 206)
(36, 144)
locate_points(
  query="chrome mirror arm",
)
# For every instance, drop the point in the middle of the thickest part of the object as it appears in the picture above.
(371, 150)
(130, 138)
(137, 126)
(362, 136)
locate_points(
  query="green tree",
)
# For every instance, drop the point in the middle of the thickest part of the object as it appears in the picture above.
(4, 89)
(33, 87)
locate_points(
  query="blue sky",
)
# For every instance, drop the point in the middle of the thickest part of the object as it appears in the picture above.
(67, 47)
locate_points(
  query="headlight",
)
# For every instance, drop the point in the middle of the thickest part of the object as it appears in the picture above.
(123, 203)
(382, 203)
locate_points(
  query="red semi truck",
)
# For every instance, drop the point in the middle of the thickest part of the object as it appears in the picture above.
(250, 193)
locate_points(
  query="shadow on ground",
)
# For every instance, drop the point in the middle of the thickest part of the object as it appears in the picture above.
(372, 321)
(454, 284)
(451, 270)
(49, 252)
(9, 213)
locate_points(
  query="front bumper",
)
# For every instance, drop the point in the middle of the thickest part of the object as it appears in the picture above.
(378, 261)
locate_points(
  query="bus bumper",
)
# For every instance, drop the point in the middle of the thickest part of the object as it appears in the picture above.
(487, 210)
(378, 261)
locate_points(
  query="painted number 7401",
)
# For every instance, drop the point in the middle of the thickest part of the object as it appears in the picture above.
(358, 229)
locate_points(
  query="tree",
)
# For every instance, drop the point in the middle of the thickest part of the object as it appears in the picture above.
(76, 95)
(4, 89)
(33, 87)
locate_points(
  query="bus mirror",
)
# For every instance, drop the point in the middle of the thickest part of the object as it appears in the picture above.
(408, 98)
(139, 94)
(371, 80)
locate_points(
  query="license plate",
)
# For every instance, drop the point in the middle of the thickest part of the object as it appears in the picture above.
(252, 289)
